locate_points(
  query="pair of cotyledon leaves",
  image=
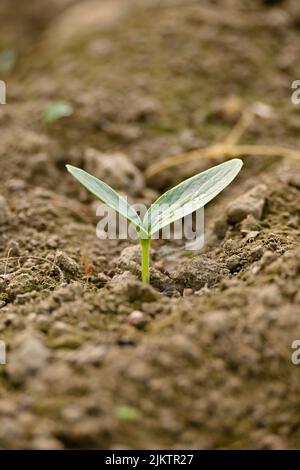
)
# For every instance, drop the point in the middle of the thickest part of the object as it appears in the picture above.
(178, 202)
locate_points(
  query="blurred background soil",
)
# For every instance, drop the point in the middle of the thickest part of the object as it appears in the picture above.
(202, 357)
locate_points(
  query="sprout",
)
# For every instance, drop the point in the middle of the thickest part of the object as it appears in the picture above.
(178, 202)
(56, 111)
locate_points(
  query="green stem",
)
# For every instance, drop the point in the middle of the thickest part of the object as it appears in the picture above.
(145, 244)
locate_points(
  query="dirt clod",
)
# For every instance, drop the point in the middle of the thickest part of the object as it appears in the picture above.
(115, 169)
(66, 263)
(137, 319)
(251, 203)
(199, 272)
(29, 356)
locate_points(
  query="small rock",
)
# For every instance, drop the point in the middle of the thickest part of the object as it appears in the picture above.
(231, 109)
(53, 242)
(294, 222)
(123, 278)
(43, 322)
(251, 235)
(263, 110)
(138, 291)
(60, 328)
(137, 319)
(115, 169)
(168, 291)
(46, 443)
(90, 354)
(66, 263)
(233, 263)
(188, 140)
(27, 356)
(68, 341)
(100, 280)
(187, 292)
(253, 203)
(257, 252)
(126, 132)
(13, 248)
(129, 259)
(250, 224)
(271, 295)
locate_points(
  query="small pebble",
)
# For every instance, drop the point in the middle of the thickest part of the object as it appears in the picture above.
(250, 203)
(257, 252)
(116, 169)
(187, 292)
(233, 263)
(66, 263)
(137, 319)
(27, 356)
(52, 242)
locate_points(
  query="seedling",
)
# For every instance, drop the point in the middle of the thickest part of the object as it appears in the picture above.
(178, 202)
(56, 111)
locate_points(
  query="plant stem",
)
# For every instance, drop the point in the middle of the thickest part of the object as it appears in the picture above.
(145, 244)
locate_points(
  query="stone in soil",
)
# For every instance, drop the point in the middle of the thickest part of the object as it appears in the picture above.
(66, 263)
(27, 356)
(250, 203)
(115, 169)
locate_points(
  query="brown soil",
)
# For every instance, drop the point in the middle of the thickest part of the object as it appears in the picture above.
(202, 357)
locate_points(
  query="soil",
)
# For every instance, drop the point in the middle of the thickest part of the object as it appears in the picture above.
(201, 358)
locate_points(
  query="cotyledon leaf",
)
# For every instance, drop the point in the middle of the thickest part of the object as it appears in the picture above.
(109, 196)
(190, 195)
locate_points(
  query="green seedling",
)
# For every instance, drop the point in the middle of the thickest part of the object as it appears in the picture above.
(56, 111)
(178, 202)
